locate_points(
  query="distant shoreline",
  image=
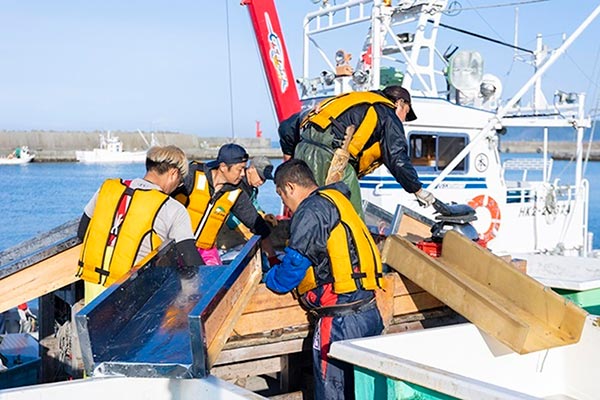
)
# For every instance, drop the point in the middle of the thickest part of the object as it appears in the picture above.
(558, 150)
(61, 146)
(193, 154)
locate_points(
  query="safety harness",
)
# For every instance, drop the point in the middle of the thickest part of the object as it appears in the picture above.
(349, 233)
(122, 218)
(207, 213)
(324, 115)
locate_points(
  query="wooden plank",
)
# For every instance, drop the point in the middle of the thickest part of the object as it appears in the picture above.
(265, 299)
(232, 305)
(299, 395)
(280, 318)
(246, 369)
(264, 350)
(42, 278)
(415, 302)
(434, 277)
(403, 285)
(268, 311)
(385, 299)
(269, 320)
(552, 320)
(412, 225)
(489, 292)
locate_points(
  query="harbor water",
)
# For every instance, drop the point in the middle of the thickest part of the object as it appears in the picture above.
(40, 196)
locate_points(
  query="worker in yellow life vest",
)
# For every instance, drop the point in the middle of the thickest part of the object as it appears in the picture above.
(259, 171)
(379, 138)
(126, 219)
(212, 192)
(333, 263)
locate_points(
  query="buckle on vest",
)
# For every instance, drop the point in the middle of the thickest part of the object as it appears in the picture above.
(340, 310)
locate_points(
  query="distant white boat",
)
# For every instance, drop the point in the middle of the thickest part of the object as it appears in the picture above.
(21, 155)
(111, 151)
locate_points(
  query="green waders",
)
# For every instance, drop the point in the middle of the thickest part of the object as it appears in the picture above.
(316, 150)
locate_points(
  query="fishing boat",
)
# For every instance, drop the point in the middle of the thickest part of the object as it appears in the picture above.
(21, 155)
(522, 205)
(110, 151)
(524, 208)
(221, 322)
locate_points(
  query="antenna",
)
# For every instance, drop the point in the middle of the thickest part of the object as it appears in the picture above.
(144, 138)
(516, 40)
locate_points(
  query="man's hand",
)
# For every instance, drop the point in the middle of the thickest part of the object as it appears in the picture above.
(271, 219)
(424, 198)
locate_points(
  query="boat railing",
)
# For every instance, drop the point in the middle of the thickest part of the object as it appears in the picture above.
(32, 251)
(328, 18)
(528, 164)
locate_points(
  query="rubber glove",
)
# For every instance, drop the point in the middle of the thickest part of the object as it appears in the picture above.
(424, 198)
(286, 276)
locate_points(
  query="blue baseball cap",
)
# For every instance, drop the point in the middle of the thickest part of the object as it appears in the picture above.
(230, 153)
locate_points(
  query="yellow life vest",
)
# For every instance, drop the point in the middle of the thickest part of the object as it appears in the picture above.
(350, 229)
(207, 216)
(322, 115)
(103, 264)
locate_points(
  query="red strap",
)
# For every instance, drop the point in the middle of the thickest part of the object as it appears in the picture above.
(119, 216)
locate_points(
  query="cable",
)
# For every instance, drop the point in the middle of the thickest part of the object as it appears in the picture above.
(229, 71)
(483, 37)
(516, 3)
(580, 70)
(485, 21)
(266, 82)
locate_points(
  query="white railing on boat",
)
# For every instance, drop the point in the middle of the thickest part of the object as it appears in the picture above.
(528, 164)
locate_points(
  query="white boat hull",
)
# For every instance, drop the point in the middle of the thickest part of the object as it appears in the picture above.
(132, 388)
(16, 161)
(515, 214)
(463, 362)
(106, 156)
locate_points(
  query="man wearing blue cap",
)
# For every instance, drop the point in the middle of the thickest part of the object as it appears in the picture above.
(212, 191)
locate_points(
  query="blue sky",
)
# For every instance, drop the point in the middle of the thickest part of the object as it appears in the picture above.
(162, 65)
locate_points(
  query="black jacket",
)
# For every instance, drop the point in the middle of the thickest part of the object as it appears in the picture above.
(310, 229)
(243, 208)
(388, 132)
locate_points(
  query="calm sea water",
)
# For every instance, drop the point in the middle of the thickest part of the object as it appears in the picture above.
(40, 196)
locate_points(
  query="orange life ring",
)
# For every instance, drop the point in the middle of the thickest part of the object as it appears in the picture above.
(492, 206)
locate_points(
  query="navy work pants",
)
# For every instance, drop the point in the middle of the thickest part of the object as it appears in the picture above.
(334, 379)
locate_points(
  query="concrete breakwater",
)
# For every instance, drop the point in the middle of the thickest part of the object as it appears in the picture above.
(54, 146)
(557, 150)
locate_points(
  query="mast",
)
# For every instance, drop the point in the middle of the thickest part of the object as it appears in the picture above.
(504, 110)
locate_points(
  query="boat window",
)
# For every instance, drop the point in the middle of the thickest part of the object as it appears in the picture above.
(433, 151)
